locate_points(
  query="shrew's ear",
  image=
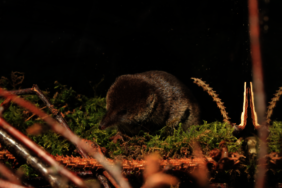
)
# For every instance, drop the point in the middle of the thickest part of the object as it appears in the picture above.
(145, 112)
(151, 101)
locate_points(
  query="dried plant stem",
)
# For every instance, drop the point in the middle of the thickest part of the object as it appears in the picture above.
(253, 111)
(212, 93)
(244, 114)
(58, 128)
(272, 104)
(23, 91)
(259, 89)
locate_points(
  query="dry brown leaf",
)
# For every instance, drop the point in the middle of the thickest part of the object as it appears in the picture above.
(159, 180)
(152, 175)
(35, 129)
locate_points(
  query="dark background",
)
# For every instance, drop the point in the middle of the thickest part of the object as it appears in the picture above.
(80, 43)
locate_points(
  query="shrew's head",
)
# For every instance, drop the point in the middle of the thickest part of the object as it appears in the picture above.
(130, 101)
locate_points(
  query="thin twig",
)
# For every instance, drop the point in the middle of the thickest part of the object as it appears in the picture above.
(34, 114)
(35, 90)
(17, 78)
(4, 171)
(19, 150)
(258, 88)
(58, 128)
(23, 91)
(40, 153)
(56, 114)
(111, 179)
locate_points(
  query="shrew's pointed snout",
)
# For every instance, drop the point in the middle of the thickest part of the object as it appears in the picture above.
(110, 119)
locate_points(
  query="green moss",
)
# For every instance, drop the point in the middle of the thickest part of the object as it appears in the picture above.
(275, 137)
(208, 135)
(83, 115)
(27, 171)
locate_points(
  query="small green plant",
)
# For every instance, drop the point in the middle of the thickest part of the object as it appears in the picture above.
(27, 171)
(275, 137)
(208, 135)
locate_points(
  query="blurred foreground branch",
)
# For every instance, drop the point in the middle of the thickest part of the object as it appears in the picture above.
(19, 150)
(58, 128)
(258, 89)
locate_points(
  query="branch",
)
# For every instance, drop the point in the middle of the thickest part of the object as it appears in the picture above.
(37, 150)
(4, 171)
(34, 162)
(35, 90)
(58, 128)
(58, 116)
(259, 88)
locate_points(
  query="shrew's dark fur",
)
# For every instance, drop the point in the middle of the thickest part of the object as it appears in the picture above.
(148, 101)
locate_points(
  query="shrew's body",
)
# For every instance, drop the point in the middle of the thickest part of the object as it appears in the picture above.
(148, 101)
